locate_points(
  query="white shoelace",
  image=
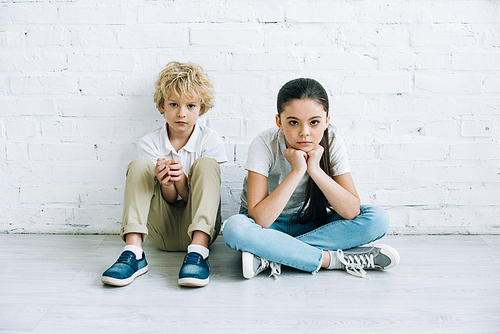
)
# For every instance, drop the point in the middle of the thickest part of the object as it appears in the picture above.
(355, 264)
(275, 269)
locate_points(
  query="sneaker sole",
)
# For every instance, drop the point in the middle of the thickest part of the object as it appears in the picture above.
(391, 253)
(193, 282)
(125, 281)
(247, 265)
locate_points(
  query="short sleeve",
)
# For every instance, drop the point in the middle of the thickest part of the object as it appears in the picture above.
(259, 158)
(338, 156)
(146, 148)
(214, 148)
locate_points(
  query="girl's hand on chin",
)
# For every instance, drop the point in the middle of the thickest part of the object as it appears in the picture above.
(296, 158)
(314, 157)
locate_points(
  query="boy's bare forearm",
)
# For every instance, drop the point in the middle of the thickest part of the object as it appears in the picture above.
(169, 193)
(182, 188)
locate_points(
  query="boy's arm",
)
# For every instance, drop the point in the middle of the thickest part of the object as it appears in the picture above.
(179, 179)
(182, 187)
(168, 189)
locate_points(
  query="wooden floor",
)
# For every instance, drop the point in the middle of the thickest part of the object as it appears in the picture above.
(444, 284)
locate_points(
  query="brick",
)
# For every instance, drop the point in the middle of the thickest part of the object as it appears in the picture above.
(105, 15)
(231, 127)
(492, 84)
(217, 37)
(398, 218)
(9, 195)
(465, 13)
(28, 14)
(373, 35)
(50, 194)
(21, 129)
(269, 12)
(83, 62)
(347, 105)
(293, 36)
(474, 196)
(388, 13)
(416, 106)
(389, 61)
(484, 61)
(12, 39)
(43, 85)
(443, 35)
(478, 106)
(153, 38)
(460, 174)
(32, 63)
(475, 151)
(320, 13)
(127, 129)
(27, 107)
(376, 84)
(137, 87)
(241, 151)
(60, 129)
(340, 61)
(414, 127)
(361, 152)
(172, 12)
(443, 218)
(414, 151)
(94, 37)
(264, 62)
(61, 152)
(239, 84)
(55, 36)
(102, 196)
(16, 152)
(116, 62)
(254, 127)
(33, 174)
(412, 197)
(100, 85)
(442, 129)
(448, 84)
(91, 107)
(478, 128)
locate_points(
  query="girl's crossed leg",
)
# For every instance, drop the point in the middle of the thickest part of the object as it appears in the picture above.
(301, 246)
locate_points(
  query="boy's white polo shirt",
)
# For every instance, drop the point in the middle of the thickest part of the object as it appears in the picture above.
(204, 142)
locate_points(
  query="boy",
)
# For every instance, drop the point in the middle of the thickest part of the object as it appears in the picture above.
(172, 192)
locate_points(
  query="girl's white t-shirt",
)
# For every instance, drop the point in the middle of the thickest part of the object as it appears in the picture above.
(265, 156)
(204, 142)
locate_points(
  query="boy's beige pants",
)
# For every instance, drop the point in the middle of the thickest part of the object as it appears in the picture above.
(170, 226)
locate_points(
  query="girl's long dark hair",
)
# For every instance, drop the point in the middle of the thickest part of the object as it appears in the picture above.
(315, 204)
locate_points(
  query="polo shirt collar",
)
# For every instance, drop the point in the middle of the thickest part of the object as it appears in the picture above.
(167, 147)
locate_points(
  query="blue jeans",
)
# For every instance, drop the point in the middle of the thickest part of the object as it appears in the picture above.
(301, 246)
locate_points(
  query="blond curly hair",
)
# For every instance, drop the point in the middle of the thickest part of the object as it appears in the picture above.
(187, 80)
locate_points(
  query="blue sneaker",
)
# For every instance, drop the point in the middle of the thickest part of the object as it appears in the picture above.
(125, 269)
(194, 271)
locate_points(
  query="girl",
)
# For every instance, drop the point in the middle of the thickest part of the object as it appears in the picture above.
(299, 205)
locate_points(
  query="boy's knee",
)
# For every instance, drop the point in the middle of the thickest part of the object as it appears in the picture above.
(205, 162)
(141, 166)
(207, 167)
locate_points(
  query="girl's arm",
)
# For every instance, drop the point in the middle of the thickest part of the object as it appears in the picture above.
(339, 191)
(263, 207)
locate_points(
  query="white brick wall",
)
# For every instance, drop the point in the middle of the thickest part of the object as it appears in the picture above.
(414, 87)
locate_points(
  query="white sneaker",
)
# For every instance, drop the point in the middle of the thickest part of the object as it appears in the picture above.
(253, 265)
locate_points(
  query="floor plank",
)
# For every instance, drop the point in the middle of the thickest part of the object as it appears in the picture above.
(444, 284)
